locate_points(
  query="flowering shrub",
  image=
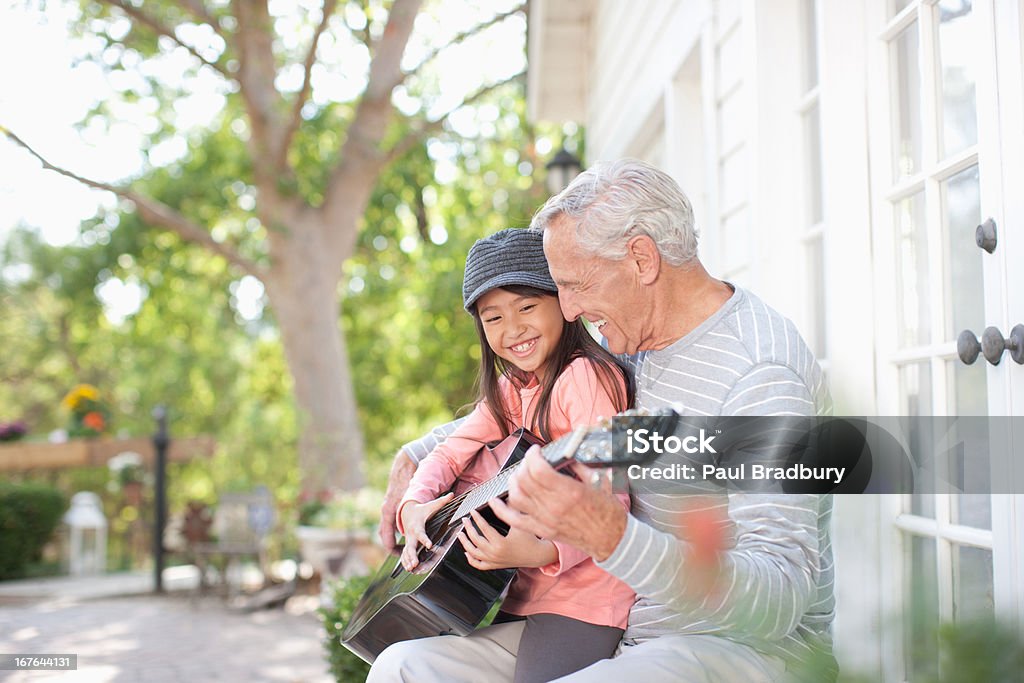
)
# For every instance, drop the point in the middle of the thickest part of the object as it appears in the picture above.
(89, 415)
(12, 431)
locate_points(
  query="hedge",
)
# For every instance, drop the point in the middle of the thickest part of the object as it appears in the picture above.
(29, 514)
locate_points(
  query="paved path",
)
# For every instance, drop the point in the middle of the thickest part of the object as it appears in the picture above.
(169, 638)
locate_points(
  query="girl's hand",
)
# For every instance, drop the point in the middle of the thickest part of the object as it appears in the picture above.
(414, 521)
(488, 549)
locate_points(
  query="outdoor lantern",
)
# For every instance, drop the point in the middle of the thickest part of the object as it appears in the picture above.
(87, 534)
(561, 170)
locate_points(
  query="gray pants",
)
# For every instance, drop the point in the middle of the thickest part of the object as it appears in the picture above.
(490, 655)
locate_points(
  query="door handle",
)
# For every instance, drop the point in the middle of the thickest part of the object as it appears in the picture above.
(985, 235)
(992, 345)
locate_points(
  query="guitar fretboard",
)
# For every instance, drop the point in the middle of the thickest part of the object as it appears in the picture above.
(498, 485)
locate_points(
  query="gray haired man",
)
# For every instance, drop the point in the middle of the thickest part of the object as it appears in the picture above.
(622, 248)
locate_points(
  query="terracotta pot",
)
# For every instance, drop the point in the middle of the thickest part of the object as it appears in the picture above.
(132, 493)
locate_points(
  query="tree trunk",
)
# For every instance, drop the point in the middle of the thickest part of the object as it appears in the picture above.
(303, 291)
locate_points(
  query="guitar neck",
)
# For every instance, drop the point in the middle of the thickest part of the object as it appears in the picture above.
(558, 454)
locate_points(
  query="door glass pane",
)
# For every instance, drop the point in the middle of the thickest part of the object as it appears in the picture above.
(957, 48)
(967, 389)
(922, 646)
(961, 211)
(898, 5)
(916, 392)
(968, 395)
(907, 81)
(912, 272)
(922, 505)
(974, 509)
(972, 583)
(915, 382)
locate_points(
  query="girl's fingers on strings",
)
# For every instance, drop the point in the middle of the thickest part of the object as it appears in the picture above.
(472, 533)
(439, 503)
(478, 563)
(515, 518)
(473, 553)
(485, 529)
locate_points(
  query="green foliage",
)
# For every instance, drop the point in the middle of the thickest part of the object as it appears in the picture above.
(344, 665)
(29, 514)
(982, 651)
(412, 348)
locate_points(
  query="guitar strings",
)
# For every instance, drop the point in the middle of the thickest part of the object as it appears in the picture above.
(484, 492)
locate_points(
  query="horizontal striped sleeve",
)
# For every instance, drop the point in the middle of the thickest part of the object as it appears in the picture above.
(769, 389)
(420, 448)
(767, 580)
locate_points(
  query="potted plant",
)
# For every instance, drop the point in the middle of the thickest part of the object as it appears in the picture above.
(12, 431)
(129, 476)
(88, 414)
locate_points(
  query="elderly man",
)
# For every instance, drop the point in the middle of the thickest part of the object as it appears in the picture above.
(622, 248)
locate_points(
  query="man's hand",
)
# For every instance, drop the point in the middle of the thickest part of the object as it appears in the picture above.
(488, 549)
(398, 481)
(555, 507)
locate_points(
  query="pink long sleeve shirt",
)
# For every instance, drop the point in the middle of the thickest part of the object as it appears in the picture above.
(572, 586)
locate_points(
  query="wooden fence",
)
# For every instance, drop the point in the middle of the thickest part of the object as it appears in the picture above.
(25, 456)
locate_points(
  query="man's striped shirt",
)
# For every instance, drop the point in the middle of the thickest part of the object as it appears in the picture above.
(746, 359)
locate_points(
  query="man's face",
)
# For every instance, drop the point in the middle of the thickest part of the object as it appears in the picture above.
(602, 291)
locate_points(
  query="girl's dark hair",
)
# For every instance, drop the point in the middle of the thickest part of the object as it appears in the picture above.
(576, 342)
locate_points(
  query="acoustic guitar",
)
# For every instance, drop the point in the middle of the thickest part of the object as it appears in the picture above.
(444, 595)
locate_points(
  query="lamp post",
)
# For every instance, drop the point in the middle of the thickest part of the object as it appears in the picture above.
(562, 168)
(161, 440)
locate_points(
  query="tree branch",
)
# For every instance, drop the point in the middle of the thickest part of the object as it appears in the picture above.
(64, 339)
(496, 19)
(303, 94)
(360, 155)
(257, 71)
(152, 211)
(140, 17)
(416, 136)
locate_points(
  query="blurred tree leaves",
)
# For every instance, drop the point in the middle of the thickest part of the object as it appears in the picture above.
(413, 349)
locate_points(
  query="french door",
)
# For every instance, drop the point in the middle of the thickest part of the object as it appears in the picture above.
(944, 87)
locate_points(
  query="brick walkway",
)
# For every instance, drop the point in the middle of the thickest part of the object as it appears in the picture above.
(164, 638)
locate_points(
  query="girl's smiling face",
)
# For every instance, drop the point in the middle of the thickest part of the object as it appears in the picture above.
(521, 329)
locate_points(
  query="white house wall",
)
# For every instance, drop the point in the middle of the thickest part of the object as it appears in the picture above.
(637, 47)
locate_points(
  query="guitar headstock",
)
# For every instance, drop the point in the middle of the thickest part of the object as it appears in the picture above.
(604, 444)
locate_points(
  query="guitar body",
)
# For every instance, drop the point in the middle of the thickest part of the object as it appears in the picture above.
(444, 594)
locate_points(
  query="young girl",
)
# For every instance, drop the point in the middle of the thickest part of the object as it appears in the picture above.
(544, 373)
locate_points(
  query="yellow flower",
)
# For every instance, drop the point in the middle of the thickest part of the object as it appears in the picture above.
(80, 394)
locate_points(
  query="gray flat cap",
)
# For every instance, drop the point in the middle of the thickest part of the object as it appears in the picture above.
(508, 257)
